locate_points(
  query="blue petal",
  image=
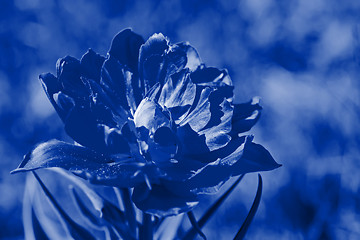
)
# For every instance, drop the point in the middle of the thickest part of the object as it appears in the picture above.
(178, 95)
(151, 115)
(193, 60)
(81, 126)
(51, 86)
(209, 76)
(125, 48)
(163, 146)
(245, 116)
(64, 103)
(97, 168)
(240, 156)
(217, 129)
(191, 143)
(255, 158)
(50, 83)
(165, 136)
(160, 201)
(84, 128)
(69, 75)
(151, 58)
(113, 80)
(199, 115)
(91, 64)
(104, 109)
(211, 116)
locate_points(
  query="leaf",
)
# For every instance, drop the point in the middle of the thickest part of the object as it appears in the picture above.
(130, 213)
(245, 226)
(87, 214)
(112, 215)
(109, 213)
(210, 212)
(39, 232)
(97, 168)
(55, 153)
(168, 227)
(195, 224)
(76, 231)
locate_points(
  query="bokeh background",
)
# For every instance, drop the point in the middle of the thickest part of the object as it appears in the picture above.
(300, 56)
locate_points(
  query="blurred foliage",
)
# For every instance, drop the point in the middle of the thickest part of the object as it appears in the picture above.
(301, 57)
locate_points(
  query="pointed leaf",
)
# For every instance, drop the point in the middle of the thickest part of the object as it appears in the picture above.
(88, 215)
(195, 224)
(55, 153)
(97, 168)
(39, 232)
(76, 231)
(245, 226)
(210, 212)
(130, 213)
(106, 210)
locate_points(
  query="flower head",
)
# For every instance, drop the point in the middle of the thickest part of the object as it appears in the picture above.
(151, 116)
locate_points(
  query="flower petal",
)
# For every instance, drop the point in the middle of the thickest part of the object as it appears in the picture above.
(211, 116)
(255, 158)
(245, 116)
(209, 76)
(125, 48)
(151, 115)
(113, 80)
(91, 64)
(97, 168)
(151, 58)
(81, 126)
(191, 143)
(52, 86)
(69, 75)
(160, 201)
(178, 94)
(199, 114)
(240, 156)
(193, 60)
(50, 83)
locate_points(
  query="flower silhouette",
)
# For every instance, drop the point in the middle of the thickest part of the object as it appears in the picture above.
(152, 117)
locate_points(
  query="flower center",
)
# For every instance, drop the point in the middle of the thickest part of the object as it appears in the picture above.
(155, 129)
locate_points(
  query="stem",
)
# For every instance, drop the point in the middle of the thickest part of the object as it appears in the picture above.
(195, 224)
(130, 213)
(146, 230)
(191, 234)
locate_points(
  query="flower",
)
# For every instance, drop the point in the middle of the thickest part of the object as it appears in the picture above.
(152, 117)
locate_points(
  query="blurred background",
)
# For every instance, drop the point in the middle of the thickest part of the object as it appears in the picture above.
(300, 56)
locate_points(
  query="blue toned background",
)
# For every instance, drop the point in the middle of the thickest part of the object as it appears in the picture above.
(300, 56)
